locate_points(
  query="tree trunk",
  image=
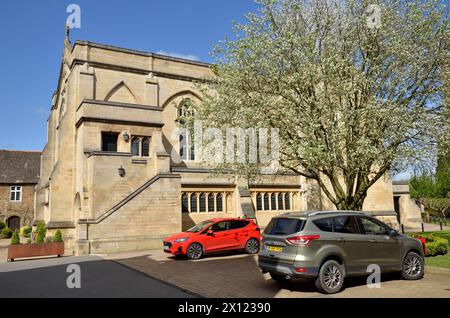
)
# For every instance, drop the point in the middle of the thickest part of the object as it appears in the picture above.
(350, 203)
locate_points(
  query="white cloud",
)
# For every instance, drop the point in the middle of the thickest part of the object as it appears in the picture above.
(179, 55)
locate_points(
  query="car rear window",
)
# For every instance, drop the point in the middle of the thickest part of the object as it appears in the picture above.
(284, 226)
(325, 225)
(346, 224)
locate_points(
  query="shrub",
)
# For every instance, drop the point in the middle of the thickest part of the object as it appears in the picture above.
(48, 240)
(58, 237)
(439, 246)
(25, 231)
(40, 233)
(6, 233)
(15, 240)
(2, 225)
(29, 241)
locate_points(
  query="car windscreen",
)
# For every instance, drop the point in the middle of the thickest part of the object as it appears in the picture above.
(200, 226)
(284, 226)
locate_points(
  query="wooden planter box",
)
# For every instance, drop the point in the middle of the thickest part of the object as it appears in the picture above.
(33, 250)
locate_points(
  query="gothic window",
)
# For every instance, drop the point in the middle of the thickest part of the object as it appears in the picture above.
(194, 202)
(259, 202)
(273, 202)
(219, 202)
(145, 146)
(187, 149)
(287, 201)
(266, 202)
(269, 201)
(135, 146)
(280, 201)
(203, 202)
(211, 202)
(208, 202)
(140, 146)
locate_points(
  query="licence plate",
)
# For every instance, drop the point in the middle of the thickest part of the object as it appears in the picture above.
(271, 248)
(166, 247)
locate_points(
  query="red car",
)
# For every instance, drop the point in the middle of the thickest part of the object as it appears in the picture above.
(215, 235)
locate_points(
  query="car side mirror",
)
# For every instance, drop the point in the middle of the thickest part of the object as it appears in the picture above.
(392, 233)
(210, 233)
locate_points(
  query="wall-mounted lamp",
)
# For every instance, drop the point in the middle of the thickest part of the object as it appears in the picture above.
(121, 171)
(126, 137)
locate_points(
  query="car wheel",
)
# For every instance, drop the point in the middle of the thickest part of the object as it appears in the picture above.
(279, 278)
(194, 251)
(252, 246)
(413, 267)
(331, 277)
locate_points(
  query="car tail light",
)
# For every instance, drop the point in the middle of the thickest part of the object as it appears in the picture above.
(301, 270)
(303, 240)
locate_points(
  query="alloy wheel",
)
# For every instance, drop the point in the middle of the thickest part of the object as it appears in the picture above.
(252, 246)
(332, 276)
(194, 251)
(412, 265)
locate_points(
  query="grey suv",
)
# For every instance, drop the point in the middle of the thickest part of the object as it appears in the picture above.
(330, 245)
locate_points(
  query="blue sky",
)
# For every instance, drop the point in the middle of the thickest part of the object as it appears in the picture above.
(32, 34)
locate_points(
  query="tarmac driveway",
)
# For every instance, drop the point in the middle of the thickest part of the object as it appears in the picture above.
(47, 277)
(237, 275)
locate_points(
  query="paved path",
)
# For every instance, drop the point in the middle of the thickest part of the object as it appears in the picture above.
(428, 227)
(99, 278)
(237, 275)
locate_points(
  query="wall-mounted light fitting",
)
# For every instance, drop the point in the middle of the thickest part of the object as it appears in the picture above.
(121, 171)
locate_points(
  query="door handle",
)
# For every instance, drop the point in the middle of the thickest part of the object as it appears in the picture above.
(373, 241)
(341, 239)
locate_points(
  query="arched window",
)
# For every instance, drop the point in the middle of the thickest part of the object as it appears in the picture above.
(211, 202)
(184, 203)
(187, 149)
(202, 202)
(287, 201)
(194, 202)
(280, 201)
(219, 202)
(273, 202)
(259, 202)
(266, 202)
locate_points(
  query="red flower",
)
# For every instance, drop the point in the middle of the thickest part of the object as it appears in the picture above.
(424, 243)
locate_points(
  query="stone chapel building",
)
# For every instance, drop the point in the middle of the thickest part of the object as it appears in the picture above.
(107, 178)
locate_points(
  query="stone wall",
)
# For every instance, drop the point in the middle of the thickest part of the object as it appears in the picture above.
(23, 209)
(140, 223)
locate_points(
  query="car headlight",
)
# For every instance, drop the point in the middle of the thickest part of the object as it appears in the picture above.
(180, 240)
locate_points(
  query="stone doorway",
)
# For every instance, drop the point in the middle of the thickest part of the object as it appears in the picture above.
(14, 223)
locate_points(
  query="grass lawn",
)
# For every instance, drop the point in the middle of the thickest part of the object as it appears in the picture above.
(441, 260)
(438, 261)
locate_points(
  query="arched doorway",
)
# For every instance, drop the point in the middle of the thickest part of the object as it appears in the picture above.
(14, 223)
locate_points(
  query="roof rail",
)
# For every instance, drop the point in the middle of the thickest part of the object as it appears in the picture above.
(333, 212)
